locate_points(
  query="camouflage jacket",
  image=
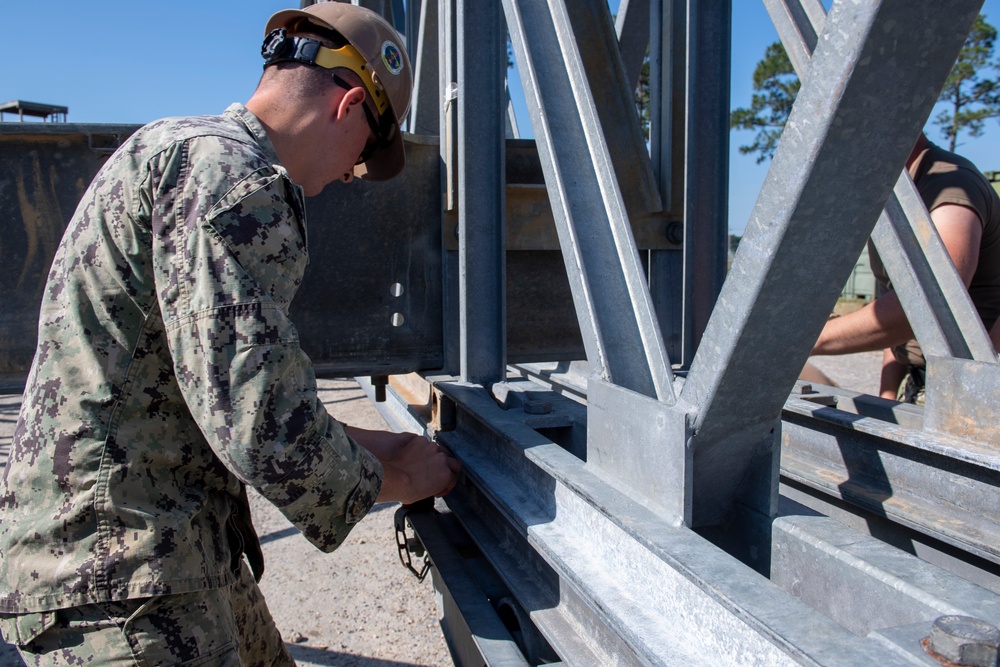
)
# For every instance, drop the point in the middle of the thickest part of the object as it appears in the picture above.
(167, 375)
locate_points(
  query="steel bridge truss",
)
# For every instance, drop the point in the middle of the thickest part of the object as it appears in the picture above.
(646, 481)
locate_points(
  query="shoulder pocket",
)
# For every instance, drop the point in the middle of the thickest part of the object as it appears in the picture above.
(261, 225)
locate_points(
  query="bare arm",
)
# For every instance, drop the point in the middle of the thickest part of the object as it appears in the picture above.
(413, 467)
(882, 323)
(892, 376)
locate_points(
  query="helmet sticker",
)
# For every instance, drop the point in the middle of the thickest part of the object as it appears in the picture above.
(392, 58)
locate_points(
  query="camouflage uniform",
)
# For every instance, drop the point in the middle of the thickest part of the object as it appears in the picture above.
(167, 376)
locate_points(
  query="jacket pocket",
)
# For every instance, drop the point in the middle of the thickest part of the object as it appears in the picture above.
(22, 629)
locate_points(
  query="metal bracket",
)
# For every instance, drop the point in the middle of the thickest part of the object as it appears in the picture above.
(410, 547)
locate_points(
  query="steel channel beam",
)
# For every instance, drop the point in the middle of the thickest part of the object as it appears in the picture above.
(615, 577)
(667, 130)
(799, 499)
(943, 487)
(932, 294)
(474, 632)
(448, 130)
(863, 583)
(853, 124)
(426, 109)
(612, 302)
(667, 90)
(481, 184)
(706, 156)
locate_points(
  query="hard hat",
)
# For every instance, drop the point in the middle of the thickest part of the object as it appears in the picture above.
(384, 67)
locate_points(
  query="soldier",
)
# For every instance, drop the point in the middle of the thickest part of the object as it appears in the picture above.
(965, 210)
(168, 377)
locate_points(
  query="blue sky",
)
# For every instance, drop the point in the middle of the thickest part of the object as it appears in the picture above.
(123, 61)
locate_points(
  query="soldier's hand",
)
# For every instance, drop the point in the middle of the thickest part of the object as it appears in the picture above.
(418, 469)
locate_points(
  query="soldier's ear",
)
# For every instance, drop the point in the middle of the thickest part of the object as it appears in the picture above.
(350, 102)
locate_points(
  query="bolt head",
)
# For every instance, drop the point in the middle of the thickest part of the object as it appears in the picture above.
(964, 640)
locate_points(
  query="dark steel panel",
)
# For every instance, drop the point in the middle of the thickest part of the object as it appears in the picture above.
(44, 170)
(363, 239)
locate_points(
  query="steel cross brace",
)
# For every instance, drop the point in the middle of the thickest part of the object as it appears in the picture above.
(935, 300)
(892, 470)
(613, 306)
(854, 122)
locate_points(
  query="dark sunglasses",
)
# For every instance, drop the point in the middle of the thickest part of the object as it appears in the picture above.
(381, 131)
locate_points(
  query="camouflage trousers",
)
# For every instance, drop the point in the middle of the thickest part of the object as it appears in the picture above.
(228, 627)
(913, 387)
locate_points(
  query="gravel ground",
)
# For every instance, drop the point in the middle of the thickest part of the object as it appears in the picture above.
(358, 607)
(857, 372)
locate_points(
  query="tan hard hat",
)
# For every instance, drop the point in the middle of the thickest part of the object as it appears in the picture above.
(381, 47)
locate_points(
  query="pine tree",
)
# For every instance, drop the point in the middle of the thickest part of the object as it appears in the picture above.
(971, 95)
(776, 86)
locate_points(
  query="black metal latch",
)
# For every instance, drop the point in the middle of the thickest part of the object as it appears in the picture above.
(411, 550)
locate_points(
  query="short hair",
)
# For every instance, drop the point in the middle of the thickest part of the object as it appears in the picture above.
(302, 81)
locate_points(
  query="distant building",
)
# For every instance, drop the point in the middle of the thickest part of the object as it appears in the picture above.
(47, 112)
(861, 282)
(994, 177)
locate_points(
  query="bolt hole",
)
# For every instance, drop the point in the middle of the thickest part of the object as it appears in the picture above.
(396, 289)
(398, 319)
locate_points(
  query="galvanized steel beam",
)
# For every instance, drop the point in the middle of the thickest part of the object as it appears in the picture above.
(608, 579)
(482, 240)
(942, 487)
(612, 301)
(830, 178)
(866, 585)
(933, 296)
(667, 131)
(706, 163)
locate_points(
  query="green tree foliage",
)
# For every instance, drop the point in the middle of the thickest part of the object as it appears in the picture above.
(642, 96)
(972, 96)
(775, 88)
(972, 93)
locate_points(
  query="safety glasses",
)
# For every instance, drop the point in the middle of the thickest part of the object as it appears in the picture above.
(382, 132)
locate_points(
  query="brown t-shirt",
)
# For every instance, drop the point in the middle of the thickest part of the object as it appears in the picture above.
(946, 178)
